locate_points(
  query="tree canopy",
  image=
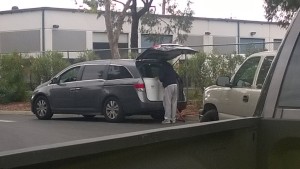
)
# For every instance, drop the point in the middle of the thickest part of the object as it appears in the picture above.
(281, 10)
(179, 22)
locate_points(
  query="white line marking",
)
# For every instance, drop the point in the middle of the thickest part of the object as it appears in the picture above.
(7, 121)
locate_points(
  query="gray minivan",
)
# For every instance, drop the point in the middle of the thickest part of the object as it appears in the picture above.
(115, 88)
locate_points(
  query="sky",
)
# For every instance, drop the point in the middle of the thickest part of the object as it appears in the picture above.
(235, 9)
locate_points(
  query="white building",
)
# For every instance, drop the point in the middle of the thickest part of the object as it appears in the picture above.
(41, 29)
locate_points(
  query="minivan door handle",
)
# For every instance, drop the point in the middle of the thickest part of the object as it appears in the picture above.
(245, 98)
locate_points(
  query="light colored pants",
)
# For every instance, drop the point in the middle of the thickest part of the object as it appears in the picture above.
(170, 102)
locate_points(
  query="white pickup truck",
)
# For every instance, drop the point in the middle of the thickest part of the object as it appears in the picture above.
(238, 96)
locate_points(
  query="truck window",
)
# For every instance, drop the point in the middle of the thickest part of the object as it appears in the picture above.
(263, 71)
(290, 93)
(245, 75)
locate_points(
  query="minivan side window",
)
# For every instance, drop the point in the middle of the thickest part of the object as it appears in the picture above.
(118, 72)
(70, 75)
(91, 72)
(263, 71)
(245, 75)
(290, 91)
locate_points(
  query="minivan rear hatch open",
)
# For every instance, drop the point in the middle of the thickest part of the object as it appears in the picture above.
(148, 64)
(165, 52)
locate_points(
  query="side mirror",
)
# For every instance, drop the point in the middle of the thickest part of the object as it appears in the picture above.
(54, 80)
(223, 81)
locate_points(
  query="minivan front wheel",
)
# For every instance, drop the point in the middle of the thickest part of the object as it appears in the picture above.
(42, 108)
(112, 110)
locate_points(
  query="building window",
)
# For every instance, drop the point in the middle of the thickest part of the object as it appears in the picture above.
(148, 40)
(101, 45)
(102, 50)
(276, 43)
(249, 46)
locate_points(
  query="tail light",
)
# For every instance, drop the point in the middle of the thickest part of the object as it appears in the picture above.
(139, 86)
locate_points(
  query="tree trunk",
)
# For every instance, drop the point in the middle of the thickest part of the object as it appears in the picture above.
(113, 45)
(136, 15)
(134, 35)
(115, 50)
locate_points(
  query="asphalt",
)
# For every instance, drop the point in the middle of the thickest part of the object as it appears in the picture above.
(16, 112)
(186, 117)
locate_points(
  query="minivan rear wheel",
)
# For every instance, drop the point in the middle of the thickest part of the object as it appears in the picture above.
(112, 110)
(42, 108)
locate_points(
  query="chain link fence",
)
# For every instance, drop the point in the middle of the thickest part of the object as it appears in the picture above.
(197, 71)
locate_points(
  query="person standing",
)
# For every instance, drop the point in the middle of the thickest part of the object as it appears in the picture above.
(168, 77)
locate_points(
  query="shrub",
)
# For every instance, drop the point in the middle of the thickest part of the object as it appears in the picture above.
(12, 81)
(202, 70)
(46, 66)
(86, 56)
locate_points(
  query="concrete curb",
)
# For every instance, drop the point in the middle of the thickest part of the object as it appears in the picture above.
(16, 112)
(191, 118)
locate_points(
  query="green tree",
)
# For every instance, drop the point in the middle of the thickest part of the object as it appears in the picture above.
(281, 10)
(46, 66)
(136, 15)
(12, 81)
(177, 22)
(86, 56)
(114, 20)
(202, 70)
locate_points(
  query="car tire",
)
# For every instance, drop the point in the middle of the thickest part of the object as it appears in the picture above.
(42, 109)
(210, 115)
(88, 116)
(112, 110)
(158, 115)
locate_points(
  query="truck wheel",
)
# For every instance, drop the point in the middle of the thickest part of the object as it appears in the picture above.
(42, 108)
(210, 115)
(112, 110)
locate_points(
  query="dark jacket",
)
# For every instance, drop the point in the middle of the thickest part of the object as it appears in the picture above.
(167, 74)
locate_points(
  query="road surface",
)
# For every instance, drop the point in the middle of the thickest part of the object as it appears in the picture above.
(23, 130)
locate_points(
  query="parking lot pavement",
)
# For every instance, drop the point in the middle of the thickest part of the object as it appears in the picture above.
(16, 112)
(188, 118)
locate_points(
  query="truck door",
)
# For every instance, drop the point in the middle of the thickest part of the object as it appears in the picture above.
(241, 99)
